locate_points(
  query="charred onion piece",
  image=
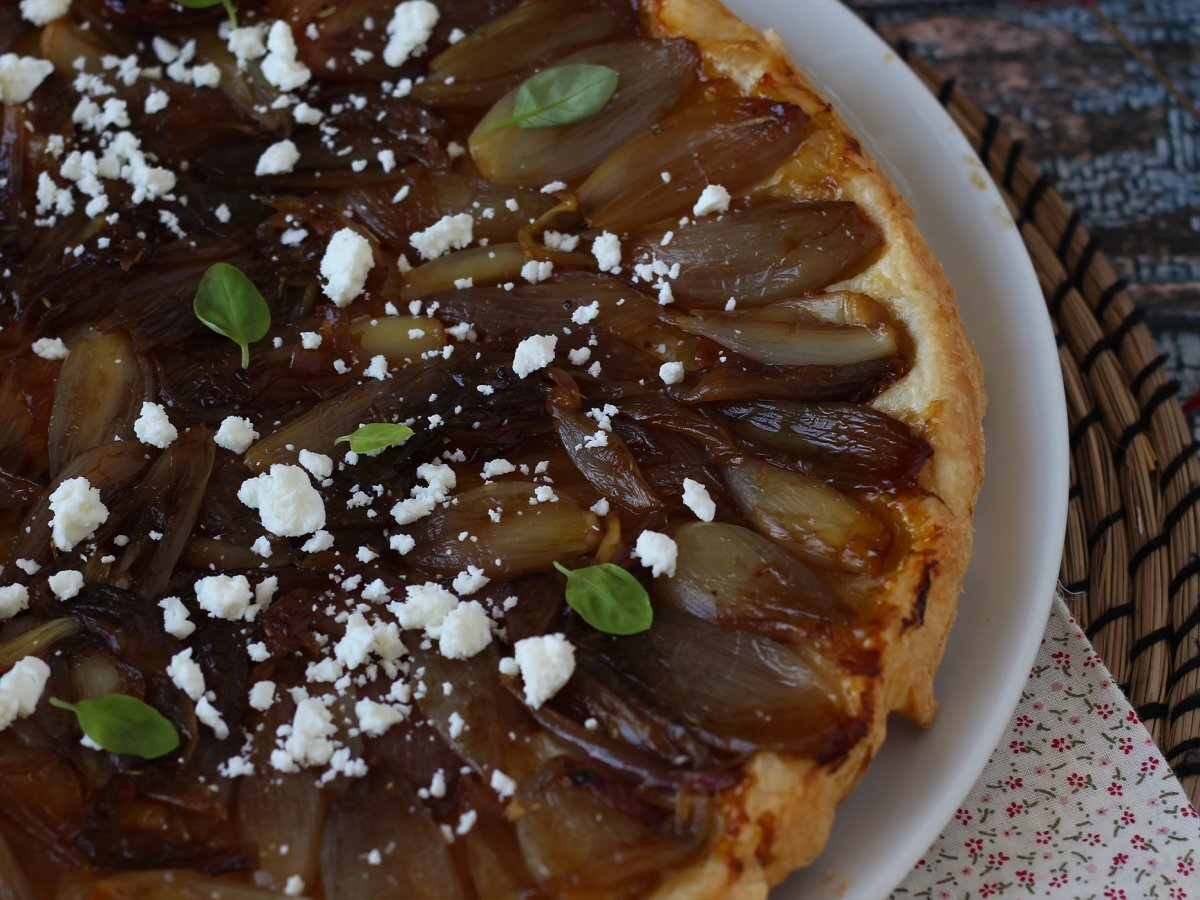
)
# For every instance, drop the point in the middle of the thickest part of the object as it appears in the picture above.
(654, 75)
(763, 253)
(857, 382)
(735, 142)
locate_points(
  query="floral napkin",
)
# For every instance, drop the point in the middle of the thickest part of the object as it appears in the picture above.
(1076, 801)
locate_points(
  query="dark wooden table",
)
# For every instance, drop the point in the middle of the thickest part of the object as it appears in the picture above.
(1120, 142)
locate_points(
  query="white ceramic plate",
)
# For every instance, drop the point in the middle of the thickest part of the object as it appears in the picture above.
(919, 777)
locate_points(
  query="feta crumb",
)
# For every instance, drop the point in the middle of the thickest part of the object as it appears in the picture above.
(503, 785)
(14, 598)
(320, 465)
(607, 250)
(378, 368)
(156, 101)
(318, 543)
(287, 503)
(224, 596)
(713, 199)
(401, 543)
(66, 584)
(345, 266)
(546, 664)
(223, 214)
(278, 159)
(294, 886)
(465, 631)
(376, 718)
(579, 356)
(21, 688)
(186, 674)
(671, 372)
(495, 467)
(409, 30)
(600, 507)
(533, 353)
(584, 314)
(535, 271)
(50, 348)
(235, 434)
(698, 500)
(153, 427)
(261, 546)
(425, 606)
(469, 581)
(656, 552)
(39, 12)
(77, 511)
(20, 76)
(310, 741)
(457, 725)
(262, 695)
(280, 67)
(247, 43)
(176, 619)
(310, 340)
(556, 240)
(307, 115)
(448, 233)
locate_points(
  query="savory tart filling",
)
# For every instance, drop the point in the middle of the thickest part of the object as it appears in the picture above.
(433, 461)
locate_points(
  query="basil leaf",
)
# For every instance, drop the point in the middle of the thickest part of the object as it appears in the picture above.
(561, 95)
(608, 598)
(123, 724)
(206, 4)
(376, 436)
(229, 303)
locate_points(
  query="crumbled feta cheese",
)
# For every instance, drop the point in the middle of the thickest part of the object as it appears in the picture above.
(671, 372)
(345, 266)
(207, 75)
(223, 214)
(409, 30)
(457, 725)
(579, 356)
(294, 886)
(156, 101)
(66, 584)
(20, 76)
(39, 12)
(508, 666)
(261, 546)
(247, 43)
(186, 674)
(287, 503)
(556, 240)
(77, 512)
(21, 688)
(320, 465)
(495, 467)
(376, 718)
(176, 619)
(224, 596)
(310, 340)
(235, 434)
(469, 581)
(280, 67)
(535, 271)
(378, 368)
(448, 233)
(533, 353)
(600, 507)
(656, 552)
(465, 631)
(307, 115)
(278, 159)
(607, 250)
(310, 741)
(713, 199)
(14, 598)
(425, 606)
(401, 543)
(503, 785)
(584, 314)
(50, 348)
(318, 543)
(546, 664)
(698, 500)
(153, 427)
(262, 695)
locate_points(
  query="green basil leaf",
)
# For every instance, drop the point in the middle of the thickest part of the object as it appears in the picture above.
(206, 4)
(608, 598)
(123, 724)
(229, 303)
(376, 436)
(562, 95)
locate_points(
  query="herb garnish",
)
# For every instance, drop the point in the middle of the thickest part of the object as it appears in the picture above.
(376, 436)
(561, 95)
(205, 4)
(229, 303)
(608, 598)
(123, 724)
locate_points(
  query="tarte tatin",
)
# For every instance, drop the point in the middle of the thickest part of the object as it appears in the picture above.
(455, 448)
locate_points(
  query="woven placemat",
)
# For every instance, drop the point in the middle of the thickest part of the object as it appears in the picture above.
(1131, 567)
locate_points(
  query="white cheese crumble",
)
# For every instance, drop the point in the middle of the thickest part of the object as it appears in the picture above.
(307, 115)
(77, 512)
(376, 718)
(280, 67)
(278, 159)
(310, 340)
(425, 606)
(546, 664)
(320, 465)
(186, 674)
(533, 353)
(409, 30)
(235, 434)
(657, 552)
(469, 581)
(247, 43)
(448, 233)
(556, 240)
(671, 372)
(156, 101)
(39, 12)
(503, 785)
(66, 584)
(14, 598)
(310, 741)
(20, 76)
(176, 619)
(262, 695)
(713, 199)
(465, 631)
(21, 688)
(50, 348)
(535, 271)
(345, 266)
(607, 250)
(287, 503)
(320, 541)
(224, 596)
(697, 498)
(153, 427)
(584, 314)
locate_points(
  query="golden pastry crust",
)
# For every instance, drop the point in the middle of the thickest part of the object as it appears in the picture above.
(779, 818)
